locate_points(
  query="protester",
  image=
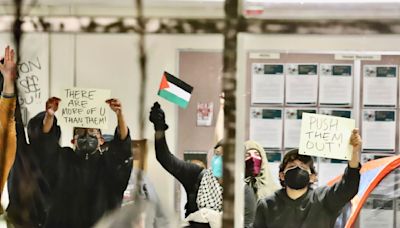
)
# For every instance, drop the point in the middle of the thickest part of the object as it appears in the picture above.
(258, 179)
(8, 142)
(203, 186)
(84, 182)
(297, 204)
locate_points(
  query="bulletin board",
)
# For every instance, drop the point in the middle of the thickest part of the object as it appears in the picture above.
(374, 104)
(372, 92)
(293, 69)
(371, 96)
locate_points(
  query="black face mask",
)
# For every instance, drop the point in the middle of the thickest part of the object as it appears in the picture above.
(86, 145)
(297, 178)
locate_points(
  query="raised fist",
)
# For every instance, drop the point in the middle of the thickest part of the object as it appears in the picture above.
(157, 117)
(115, 105)
(52, 105)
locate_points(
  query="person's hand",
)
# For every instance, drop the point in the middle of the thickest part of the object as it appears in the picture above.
(8, 67)
(157, 117)
(115, 105)
(356, 142)
(222, 99)
(52, 105)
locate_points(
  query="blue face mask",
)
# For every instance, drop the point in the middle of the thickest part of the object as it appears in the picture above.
(216, 166)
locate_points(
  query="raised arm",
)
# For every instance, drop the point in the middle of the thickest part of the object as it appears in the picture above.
(8, 99)
(8, 139)
(185, 172)
(344, 190)
(119, 155)
(116, 106)
(44, 135)
(120, 146)
(51, 108)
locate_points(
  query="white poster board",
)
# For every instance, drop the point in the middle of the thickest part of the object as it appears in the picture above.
(301, 84)
(336, 84)
(380, 85)
(293, 126)
(266, 127)
(268, 83)
(326, 136)
(379, 130)
(82, 107)
(33, 70)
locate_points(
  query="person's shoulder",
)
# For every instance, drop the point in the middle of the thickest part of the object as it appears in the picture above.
(67, 152)
(319, 193)
(273, 198)
(320, 189)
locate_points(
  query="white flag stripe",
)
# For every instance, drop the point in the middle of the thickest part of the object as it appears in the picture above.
(178, 92)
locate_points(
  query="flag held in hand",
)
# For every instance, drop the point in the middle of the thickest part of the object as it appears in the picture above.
(175, 90)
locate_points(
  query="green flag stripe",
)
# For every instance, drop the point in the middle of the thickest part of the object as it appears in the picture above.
(173, 98)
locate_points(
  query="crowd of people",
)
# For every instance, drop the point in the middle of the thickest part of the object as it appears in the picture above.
(53, 186)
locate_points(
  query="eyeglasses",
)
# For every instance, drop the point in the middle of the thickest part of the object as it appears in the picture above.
(84, 131)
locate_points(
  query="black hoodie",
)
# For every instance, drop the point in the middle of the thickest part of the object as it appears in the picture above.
(80, 191)
(316, 208)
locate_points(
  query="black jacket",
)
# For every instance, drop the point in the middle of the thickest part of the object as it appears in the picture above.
(80, 191)
(250, 202)
(317, 208)
(187, 173)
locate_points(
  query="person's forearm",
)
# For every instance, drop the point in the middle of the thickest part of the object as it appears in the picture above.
(8, 87)
(159, 134)
(354, 164)
(355, 160)
(123, 128)
(48, 122)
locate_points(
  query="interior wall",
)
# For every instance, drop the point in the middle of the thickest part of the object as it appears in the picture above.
(110, 61)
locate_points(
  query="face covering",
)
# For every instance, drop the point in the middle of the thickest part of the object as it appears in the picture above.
(253, 166)
(86, 145)
(216, 166)
(297, 178)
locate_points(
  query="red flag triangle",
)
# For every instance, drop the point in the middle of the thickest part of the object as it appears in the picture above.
(164, 83)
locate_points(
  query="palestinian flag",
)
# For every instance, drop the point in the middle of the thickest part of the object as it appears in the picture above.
(175, 90)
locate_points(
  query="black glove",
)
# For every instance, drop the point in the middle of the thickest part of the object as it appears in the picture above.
(157, 117)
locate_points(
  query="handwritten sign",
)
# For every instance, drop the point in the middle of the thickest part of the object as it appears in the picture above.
(84, 108)
(29, 82)
(326, 136)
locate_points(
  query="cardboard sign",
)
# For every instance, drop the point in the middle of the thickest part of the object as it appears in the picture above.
(326, 136)
(86, 108)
